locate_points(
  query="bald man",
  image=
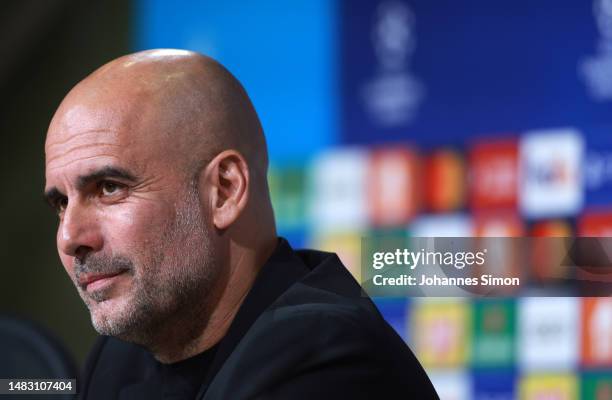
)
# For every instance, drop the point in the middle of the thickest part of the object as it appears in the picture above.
(156, 165)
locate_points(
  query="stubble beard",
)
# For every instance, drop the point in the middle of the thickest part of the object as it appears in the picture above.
(167, 291)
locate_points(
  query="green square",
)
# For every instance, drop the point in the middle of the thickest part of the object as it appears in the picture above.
(494, 333)
(287, 188)
(597, 386)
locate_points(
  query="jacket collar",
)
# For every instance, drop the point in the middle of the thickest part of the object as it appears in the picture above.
(283, 269)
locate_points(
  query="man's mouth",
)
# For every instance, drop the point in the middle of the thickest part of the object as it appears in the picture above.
(96, 281)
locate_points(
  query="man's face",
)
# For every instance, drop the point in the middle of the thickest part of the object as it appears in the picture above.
(132, 234)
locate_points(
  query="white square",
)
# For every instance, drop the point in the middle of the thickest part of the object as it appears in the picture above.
(338, 199)
(444, 225)
(550, 173)
(451, 385)
(549, 333)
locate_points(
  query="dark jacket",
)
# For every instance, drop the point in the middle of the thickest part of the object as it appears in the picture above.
(305, 331)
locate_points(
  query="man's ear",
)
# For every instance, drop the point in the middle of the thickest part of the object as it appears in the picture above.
(227, 175)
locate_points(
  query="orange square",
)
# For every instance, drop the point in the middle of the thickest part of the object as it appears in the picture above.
(597, 332)
(445, 179)
(393, 186)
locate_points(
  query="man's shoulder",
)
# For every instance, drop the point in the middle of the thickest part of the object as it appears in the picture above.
(327, 301)
(326, 279)
(328, 348)
(327, 291)
(323, 337)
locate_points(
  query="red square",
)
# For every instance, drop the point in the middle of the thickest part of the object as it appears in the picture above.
(493, 169)
(595, 224)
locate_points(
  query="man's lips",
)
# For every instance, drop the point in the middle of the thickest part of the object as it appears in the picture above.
(99, 279)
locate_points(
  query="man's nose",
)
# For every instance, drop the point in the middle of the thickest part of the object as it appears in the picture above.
(79, 231)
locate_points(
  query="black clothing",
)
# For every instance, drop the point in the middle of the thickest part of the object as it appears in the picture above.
(304, 331)
(183, 379)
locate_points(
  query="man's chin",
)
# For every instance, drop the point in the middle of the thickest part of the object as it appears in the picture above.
(111, 316)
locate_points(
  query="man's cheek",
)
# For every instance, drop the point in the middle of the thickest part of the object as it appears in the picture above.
(132, 229)
(137, 215)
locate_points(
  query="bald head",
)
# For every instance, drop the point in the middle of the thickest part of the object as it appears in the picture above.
(173, 110)
(191, 103)
(156, 164)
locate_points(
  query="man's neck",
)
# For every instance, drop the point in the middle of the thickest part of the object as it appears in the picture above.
(201, 328)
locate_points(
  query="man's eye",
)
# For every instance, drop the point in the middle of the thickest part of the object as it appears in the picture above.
(61, 205)
(109, 188)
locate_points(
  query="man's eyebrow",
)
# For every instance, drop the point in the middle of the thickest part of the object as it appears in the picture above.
(102, 173)
(53, 194)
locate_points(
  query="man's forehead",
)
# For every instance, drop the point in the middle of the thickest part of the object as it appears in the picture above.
(85, 140)
(83, 148)
(83, 117)
(117, 110)
(81, 135)
(79, 125)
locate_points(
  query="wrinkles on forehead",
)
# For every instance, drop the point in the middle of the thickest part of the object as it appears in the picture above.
(84, 130)
(97, 141)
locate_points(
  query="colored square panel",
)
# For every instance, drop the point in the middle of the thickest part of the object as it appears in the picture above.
(375, 250)
(551, 228)
(498, 224)
(549, 387)
(494, 333)
(498, 385)
(384, 240)
(546, 255)
(452, 385)
(597, 386)
(393, 186)
(493, 169)
(447, 225)
(347, 245)
(445, 181)
(505, 258)
(548, 333)
(288, 192)
(550, 174)
(338, 200)
(595, 223)
(441, 332)
(597, 332)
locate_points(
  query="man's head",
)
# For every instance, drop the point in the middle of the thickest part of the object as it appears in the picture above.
(156, 164)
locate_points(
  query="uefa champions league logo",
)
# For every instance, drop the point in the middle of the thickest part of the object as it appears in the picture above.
(393, 35)
(393, 95)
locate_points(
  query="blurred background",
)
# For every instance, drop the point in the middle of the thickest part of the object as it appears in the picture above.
(401, 117)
